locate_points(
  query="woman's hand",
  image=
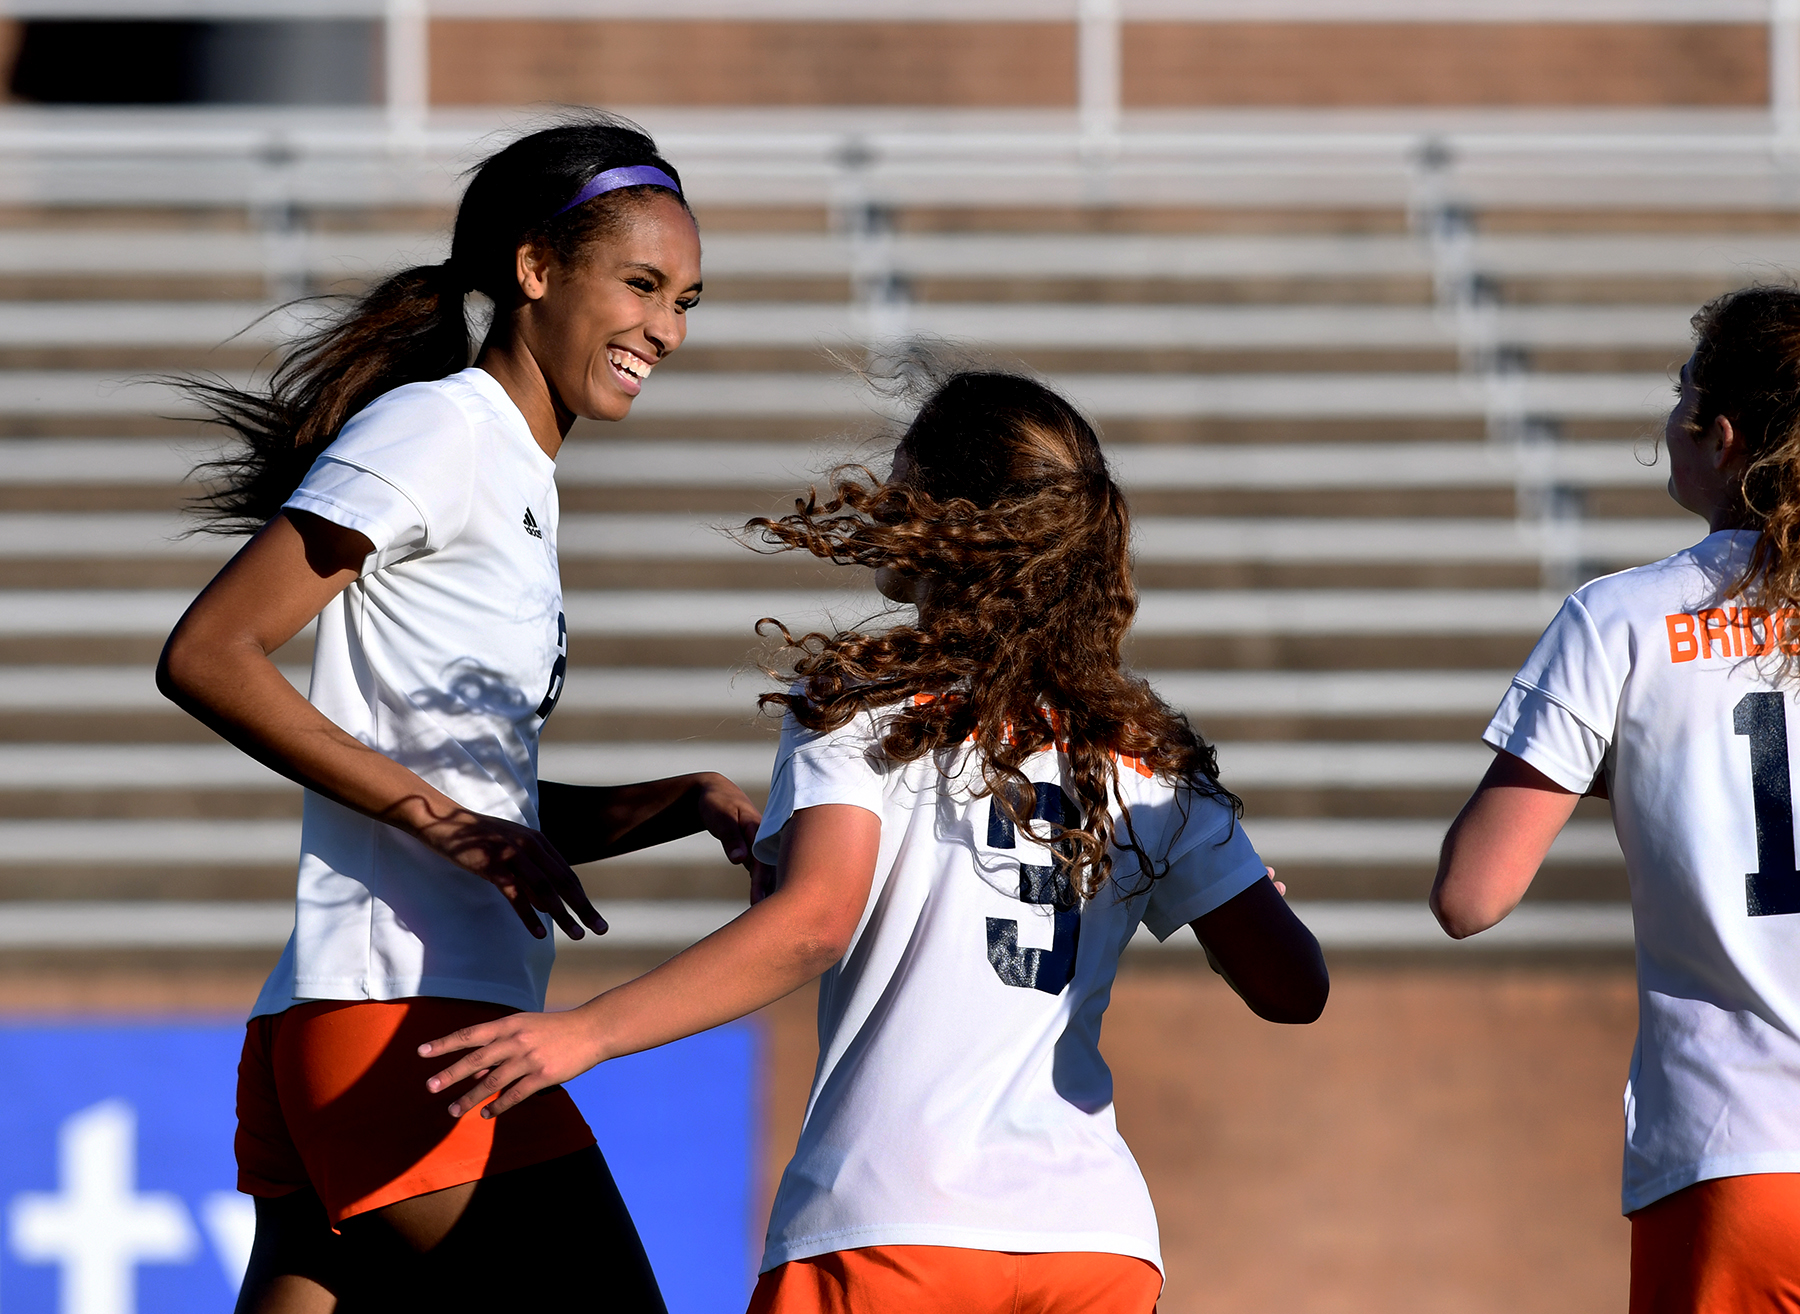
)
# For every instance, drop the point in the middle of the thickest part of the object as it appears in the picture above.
(216, 666)
(828, 856)
(517, 1056)
(729, 817)
(520, 863)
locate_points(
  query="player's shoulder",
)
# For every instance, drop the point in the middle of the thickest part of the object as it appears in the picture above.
(1169, 814)
(865, 726)
(1679, 581)
(427, 421)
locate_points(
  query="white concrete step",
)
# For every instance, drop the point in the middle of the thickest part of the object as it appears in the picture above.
(146, 323)
(1194, 539)
(941, 255)
(1108, 396)
(1175, 539)
(1207, 327)
(237, 843)
(96, 534)
(677, 463)
(1145, 396)
(675, 924)
(735, 613)
(218, 766)
(661, 690)
(1163, 258)
(204, 252)
(804, 324)
(91, 688)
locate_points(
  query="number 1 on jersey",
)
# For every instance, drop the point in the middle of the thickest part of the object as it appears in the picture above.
(1774, 888)
(1049, 970)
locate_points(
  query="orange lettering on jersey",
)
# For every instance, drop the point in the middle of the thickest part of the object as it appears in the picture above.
(1782, 630)
(1137, 764)
(1752, 645)
(1715, 627)
(1683, 645)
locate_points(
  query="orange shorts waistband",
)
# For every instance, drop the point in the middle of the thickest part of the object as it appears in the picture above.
(952, 1280)
(331, 1095)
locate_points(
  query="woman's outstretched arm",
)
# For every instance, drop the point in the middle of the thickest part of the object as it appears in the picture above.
(589, 822)
(217, 667)
(1266, 954)
(828, 857)
(1496, 845)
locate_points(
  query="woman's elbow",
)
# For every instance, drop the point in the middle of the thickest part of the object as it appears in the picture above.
(176, 670)
(1303, 1003)
(820, 944)
(1295, 996)
(1460, 916)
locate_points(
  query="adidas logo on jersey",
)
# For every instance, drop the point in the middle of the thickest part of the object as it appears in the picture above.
(531, 524)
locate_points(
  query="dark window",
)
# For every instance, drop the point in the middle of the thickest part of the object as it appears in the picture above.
(92, 62)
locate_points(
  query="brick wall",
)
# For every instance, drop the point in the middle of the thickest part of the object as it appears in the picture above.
(1032, 65)
(1169, 65)
(973, 64)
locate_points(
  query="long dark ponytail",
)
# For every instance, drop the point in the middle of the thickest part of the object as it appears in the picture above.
(410, 327)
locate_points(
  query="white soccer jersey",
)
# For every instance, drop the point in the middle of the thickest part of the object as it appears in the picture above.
(1650, 675)
(960, 1097)
(446, 655)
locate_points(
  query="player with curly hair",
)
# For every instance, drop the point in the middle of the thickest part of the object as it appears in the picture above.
(972, 813)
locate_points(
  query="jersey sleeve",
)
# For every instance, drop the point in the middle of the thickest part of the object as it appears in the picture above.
(839, 766)
(400, 474)
(1560, 710)
(1211, 862)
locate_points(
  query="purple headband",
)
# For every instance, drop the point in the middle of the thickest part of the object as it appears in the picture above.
(634, 175)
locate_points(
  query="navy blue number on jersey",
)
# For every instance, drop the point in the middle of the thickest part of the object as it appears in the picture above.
(558, 672)
(1049, 970)
(1774, 887)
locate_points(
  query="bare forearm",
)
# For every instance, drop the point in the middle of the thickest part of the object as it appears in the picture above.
(1267, 955)
(241, 695)
(1480, 877)
(589, 822)
(764, 955)
(1496, 844)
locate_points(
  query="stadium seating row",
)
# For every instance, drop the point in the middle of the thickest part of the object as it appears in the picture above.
(1369, 450)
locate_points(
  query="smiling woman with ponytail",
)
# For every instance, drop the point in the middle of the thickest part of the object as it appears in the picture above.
(411, 328)
(407, 500)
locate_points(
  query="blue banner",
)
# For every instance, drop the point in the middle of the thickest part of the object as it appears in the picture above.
(116, 1172)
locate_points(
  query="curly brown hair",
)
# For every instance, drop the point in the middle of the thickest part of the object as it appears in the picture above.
(1002, 505)
(1746, 367)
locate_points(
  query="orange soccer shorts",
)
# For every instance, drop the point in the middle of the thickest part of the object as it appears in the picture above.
(1723, 1246)
(951, 1280)
(332, 1095)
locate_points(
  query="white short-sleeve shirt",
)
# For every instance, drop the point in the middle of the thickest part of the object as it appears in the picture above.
(960, 1098)
(446, 655)
(1652, 677)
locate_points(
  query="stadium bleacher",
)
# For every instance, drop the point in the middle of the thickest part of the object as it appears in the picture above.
(1379, 399)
